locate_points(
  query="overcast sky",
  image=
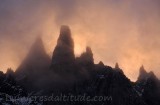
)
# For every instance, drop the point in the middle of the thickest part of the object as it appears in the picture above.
(123, 31)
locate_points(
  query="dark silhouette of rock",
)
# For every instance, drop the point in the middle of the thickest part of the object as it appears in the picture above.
(63, 54)
(1, 76)
(63, 65)
(86, 58)
(8, 85)
(12, 93)
(35, 65)
(86, 62)
(10, 72)
(36, 61)
(65, 74)
(148, 87)
(101, 63)
(117, 66)
(142, 73)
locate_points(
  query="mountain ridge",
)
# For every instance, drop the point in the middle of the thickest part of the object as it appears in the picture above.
(67, 74)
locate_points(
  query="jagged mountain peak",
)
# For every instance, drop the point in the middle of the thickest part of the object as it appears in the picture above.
(65, 37)
(65, 30)
(37, 47)
(64, 50)
(86, 57)
(144, 75)
(89, 50)
(142, 70)
(10, 72)
(152, 75)
(117, 66)
(68, 74)
(36, 60)
(36, 52)
(101, 63)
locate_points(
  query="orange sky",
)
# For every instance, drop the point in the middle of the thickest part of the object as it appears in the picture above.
(124, 31)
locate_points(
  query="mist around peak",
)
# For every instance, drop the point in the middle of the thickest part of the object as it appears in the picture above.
(65, 73)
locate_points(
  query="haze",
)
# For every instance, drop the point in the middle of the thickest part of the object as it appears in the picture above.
(123, 31)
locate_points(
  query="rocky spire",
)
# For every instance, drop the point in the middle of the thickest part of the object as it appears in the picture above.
(86, 58)
(89, 51)
(142, 70)
(117, 66)
(10, 72)
(101, 64)
(142, 74)
(37, 48)
(64, 51)
(89, 55)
